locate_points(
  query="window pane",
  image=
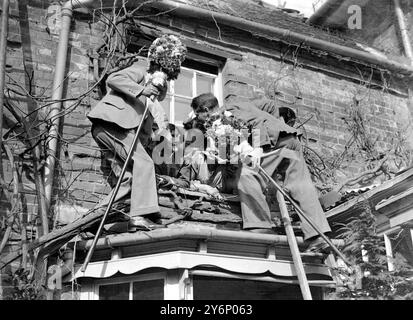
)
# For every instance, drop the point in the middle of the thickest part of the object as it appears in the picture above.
(183, 85)
(209, 288)
(204, 84)
(148, 290)
(118, 291)
(182, 109)
(166, 105)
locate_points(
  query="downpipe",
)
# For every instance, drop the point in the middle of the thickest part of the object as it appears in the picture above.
(57, 92)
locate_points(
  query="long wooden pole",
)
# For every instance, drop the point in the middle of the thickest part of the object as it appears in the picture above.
(303, 215)
(295, 252)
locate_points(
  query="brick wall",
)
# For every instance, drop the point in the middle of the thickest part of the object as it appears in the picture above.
(319, 98)
(320, 101)
(32, 42)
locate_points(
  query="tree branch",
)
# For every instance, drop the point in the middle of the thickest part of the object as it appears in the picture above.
(355, 180)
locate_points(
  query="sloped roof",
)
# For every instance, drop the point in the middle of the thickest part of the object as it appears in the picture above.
(400, 183)
(196, 246)
(272, 16)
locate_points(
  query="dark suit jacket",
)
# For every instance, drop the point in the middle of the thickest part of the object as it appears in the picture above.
(123, 104)
(260, 115)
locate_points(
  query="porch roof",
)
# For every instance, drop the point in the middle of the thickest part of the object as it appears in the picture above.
(196, 246)
(381, 199)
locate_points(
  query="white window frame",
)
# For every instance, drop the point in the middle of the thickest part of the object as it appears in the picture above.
(130, 280)
(177, 285)
(217, 90)
(389, 246)
(389, 252)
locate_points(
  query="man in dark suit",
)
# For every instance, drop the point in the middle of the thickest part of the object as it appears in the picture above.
(114, 122)
(272, 133)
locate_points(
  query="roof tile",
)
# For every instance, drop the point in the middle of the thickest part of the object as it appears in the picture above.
(249, 10)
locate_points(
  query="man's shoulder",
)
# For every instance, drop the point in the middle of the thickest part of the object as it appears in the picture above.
(135, 68)
(138, 65)
(240, 104)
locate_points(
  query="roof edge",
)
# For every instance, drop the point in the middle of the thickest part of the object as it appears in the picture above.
(346, 206)
(183, 9)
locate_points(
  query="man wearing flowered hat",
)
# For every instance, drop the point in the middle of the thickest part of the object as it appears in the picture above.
(116, 117)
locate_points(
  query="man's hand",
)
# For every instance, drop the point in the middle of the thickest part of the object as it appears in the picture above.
(162, 93)
(163, 181)
(243, 148)
(248, 154)
(150, 90)
(208, 189)
(255, 157)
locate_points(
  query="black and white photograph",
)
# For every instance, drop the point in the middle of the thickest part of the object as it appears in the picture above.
(223, 152)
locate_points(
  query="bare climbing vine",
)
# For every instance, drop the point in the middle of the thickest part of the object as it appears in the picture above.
(25, 144)
(369, 155)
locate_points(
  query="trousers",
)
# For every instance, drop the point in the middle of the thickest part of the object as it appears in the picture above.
(297, 180)
(139, 181)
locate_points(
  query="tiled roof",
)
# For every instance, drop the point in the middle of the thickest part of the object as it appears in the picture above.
(374, 194)
(271, 16)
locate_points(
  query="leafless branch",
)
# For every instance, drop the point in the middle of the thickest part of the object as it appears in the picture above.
(366, 174)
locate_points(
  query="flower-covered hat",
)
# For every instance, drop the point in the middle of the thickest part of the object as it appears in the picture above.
(168, 52)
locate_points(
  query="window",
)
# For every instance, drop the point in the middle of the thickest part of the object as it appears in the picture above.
(211, 288)
(118, 291)
(190, 83)
(136, 289)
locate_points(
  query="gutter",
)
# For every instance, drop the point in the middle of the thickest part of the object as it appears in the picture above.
(188, 232)
(57, 91)
(185, 11)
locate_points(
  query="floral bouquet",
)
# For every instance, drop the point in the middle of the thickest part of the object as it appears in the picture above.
(223, 133)
(158, 79)
(168, 52)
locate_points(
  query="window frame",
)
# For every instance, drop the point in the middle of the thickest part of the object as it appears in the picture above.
(216, 88)
(388, 243)
(130, 280)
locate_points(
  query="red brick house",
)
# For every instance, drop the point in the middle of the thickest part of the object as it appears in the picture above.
(235, 48)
